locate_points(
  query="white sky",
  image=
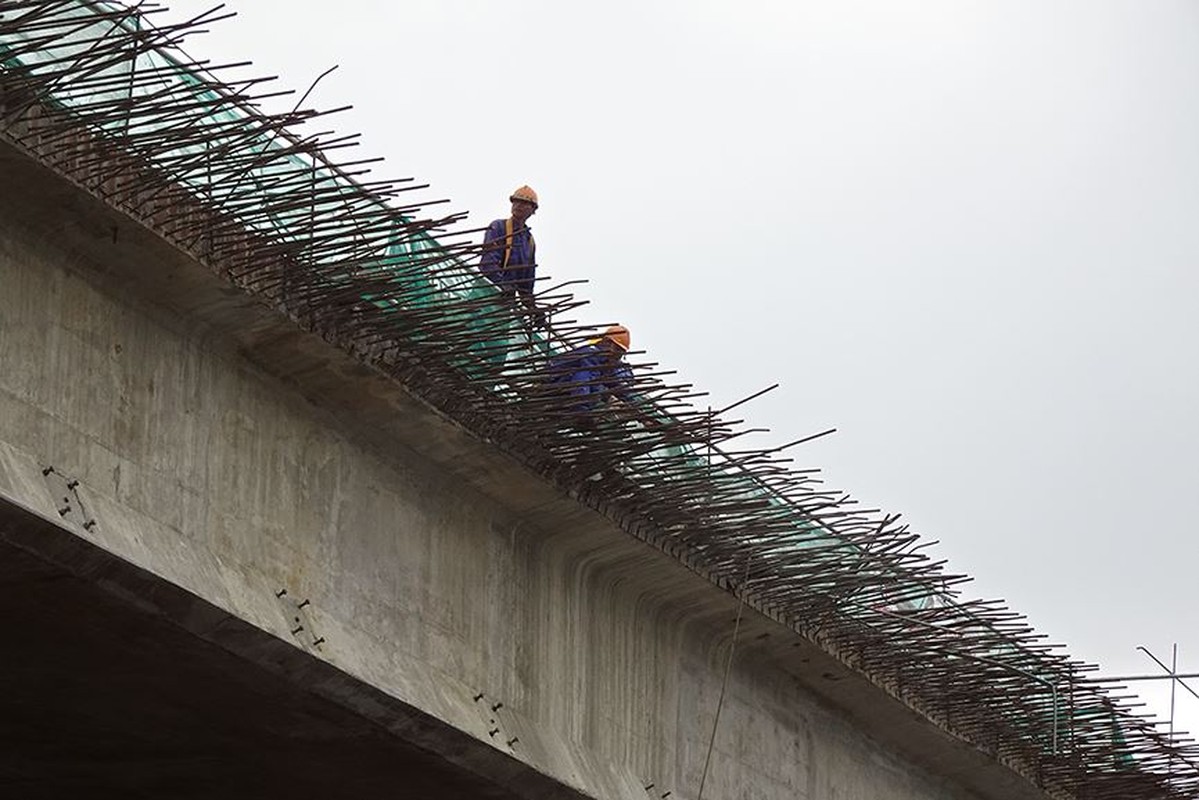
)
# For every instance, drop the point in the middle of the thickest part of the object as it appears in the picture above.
(962, 232)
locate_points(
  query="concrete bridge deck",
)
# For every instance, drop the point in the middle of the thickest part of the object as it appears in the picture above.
(225, 456)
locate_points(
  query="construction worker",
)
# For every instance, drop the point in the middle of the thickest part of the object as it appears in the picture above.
(509, 252)
(596, 373)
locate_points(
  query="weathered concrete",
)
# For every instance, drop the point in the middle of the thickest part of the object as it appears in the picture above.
(221, 451)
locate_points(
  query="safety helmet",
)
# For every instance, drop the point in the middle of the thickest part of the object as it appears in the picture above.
(619, 336)
(525, 193)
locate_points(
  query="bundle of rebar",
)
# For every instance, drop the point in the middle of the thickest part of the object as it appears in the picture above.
(95, 92)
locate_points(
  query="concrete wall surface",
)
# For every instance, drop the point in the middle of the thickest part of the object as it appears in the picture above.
(459, 585)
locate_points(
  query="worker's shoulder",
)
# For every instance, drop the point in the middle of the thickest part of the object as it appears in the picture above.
(495, 230)
(581, 353)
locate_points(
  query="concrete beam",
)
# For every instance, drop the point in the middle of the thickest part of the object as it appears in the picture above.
(120, 684)
(222, 449)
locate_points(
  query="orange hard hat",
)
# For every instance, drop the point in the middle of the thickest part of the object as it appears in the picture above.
(619, 336)
(525, 193)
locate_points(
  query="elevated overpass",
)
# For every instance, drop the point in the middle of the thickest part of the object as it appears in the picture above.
(283, 513)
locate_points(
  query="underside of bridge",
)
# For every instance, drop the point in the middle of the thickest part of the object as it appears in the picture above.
(105, 696)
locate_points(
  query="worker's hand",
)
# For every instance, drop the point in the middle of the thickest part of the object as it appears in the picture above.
(537, 316)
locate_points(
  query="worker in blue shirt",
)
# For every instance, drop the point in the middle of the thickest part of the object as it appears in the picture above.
(509, 252)
(596, 373)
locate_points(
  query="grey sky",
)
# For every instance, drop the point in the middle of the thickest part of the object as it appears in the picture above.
(961, 232)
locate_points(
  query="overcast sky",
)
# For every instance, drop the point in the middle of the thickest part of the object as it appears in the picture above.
(962, 233)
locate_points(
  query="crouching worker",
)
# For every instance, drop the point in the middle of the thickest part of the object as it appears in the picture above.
(595, 375)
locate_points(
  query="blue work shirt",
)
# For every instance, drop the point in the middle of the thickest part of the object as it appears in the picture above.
(590, 375)
(509, 264)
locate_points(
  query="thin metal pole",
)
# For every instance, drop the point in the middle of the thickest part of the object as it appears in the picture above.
(1173, 687)
(728, 667)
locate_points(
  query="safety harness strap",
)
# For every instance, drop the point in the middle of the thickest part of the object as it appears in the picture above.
(508, 245)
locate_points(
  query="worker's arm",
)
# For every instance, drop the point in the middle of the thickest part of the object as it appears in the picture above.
(521, 279)
(523, 272)
(492, 262)
(621, 385)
